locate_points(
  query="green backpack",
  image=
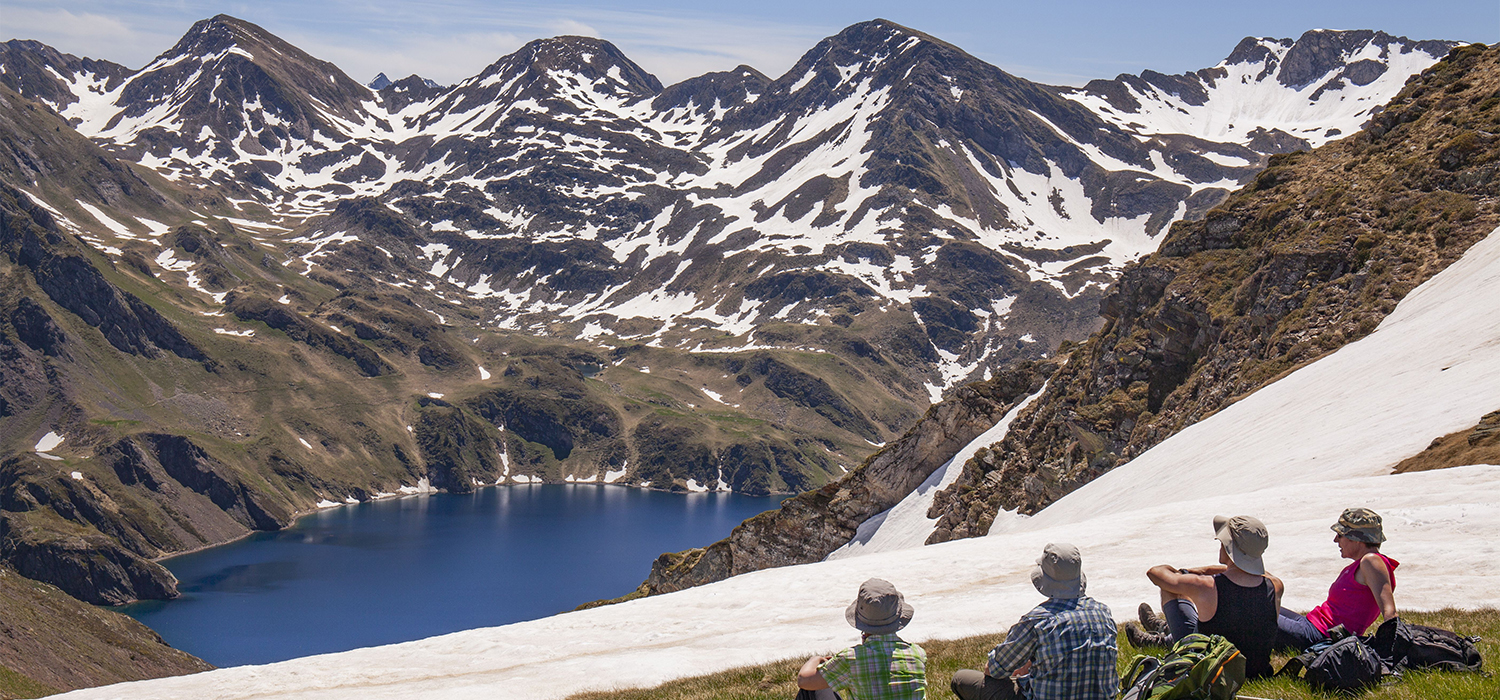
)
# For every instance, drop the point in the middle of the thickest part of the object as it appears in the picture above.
(1201, 667)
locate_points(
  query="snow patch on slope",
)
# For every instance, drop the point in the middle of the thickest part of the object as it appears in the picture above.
(906, 525)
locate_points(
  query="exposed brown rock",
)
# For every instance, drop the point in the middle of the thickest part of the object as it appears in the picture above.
(1477, 445)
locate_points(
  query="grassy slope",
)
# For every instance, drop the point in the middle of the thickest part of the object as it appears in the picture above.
(777, 680)
(50, 642)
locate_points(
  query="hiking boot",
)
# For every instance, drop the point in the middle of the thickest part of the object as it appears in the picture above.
(1150, 621)
(1140, 638)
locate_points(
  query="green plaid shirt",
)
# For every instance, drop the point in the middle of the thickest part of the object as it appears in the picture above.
(1070, 643)
(884, 667)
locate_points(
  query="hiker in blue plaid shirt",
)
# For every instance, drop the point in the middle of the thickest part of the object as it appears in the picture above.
(1064, 649)
(882, 666)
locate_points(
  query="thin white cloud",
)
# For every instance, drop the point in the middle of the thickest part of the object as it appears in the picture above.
(572, 27)
(87, 34)
(672, 47)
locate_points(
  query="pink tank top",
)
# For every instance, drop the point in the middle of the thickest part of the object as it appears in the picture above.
(1350, 603)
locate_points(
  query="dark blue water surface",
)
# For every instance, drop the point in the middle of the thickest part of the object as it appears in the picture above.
(402, 569)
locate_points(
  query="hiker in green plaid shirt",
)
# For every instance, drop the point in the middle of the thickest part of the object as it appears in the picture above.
(883, 666)
(1064, 649)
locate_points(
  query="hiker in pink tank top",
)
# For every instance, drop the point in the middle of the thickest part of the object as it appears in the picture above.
(1363, 591)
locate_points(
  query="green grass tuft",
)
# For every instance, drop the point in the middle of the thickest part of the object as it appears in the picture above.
(777, 680)
(15, 685)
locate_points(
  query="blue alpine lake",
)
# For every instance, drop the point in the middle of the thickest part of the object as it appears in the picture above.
(402, 569)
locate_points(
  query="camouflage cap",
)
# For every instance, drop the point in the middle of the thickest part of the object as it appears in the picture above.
(1360, 525)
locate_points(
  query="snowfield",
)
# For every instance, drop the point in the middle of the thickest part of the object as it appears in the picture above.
(1295, 454)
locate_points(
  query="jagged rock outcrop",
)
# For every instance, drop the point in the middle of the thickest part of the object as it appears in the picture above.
(1310, 257)
(810, 525)
(29, 236)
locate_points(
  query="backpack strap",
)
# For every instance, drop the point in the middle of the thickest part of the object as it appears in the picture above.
(1296, 664)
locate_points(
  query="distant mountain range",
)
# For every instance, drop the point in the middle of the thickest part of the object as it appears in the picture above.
(564, 191)
(239, 285)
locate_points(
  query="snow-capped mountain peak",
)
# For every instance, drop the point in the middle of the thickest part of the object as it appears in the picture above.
(1270, 95)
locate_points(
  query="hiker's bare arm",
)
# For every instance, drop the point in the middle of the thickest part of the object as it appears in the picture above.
(1180, 582)
(809, 678)
(1208, 570)
(1276, 583)
(1023, 670)
(1375, 574)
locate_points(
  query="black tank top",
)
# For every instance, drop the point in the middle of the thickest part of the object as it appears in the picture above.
(1247, 618)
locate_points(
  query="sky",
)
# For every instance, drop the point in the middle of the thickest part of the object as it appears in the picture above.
(1064, 42)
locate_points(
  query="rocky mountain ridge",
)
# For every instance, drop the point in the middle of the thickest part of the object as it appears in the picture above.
(877, 162)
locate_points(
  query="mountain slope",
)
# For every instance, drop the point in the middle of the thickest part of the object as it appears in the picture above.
(1270, 95)
(1310, 257)
(58, 643)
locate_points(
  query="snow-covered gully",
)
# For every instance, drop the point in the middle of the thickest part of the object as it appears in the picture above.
(1295, 454)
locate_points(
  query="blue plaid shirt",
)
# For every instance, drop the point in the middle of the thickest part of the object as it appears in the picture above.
(1070, 643)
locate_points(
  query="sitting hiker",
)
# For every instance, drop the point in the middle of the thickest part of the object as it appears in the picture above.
(1235, 599)
(1064, 649)
(882, 666)
(1363, 591)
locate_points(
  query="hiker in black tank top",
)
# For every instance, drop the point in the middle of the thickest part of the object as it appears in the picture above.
(1237, 596)
(1247, 618)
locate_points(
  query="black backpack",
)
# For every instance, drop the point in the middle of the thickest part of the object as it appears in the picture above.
(1345, 665)
(1403, 645)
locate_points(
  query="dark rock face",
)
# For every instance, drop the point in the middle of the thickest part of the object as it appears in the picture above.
(29, 237)
(89, 566)
(300, 329)
(461, 450)
(811, 525)
(37, 329)
(69, 531)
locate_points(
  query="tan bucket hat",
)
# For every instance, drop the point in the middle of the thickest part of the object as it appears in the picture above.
(1059, 572)
(1360, 525)
(879, 608)
(1246, 539)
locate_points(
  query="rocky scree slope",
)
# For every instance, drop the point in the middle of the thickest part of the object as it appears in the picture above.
(1310, 256)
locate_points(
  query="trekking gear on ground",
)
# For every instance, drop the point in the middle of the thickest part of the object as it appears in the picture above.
(1200, 666)
(1403, 645)
(1344, 664)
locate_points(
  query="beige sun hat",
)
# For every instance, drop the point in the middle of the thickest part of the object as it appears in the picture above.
(879, 608)
(1059, 572)
(1246, 539)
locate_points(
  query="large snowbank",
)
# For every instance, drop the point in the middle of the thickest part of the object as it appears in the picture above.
(1295, 454)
